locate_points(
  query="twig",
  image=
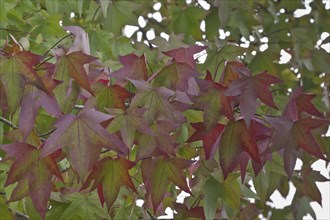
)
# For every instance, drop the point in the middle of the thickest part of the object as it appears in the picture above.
(96, 12)
(47, 133)
(59, 41)
(7, 122)
(11, 30)
(152, 217)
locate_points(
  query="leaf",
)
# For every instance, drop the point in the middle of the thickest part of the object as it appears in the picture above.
(72, 65)
(211, 196)
(160, 139)
(134, 68)
(15, 72)
(177, 76)
(306, 185)
(183, 212)
(34, 175)
(214, 102)
(211, 138)
(109, 175)
(292, 135)
(236, 139)
(185, 21)
(300, 102)
(128, 122)
(158, 173)
(185, 55)
(80, 206)
(155, 100)
(110, 96)
(84, 137)
(119, 14)
(249, 88)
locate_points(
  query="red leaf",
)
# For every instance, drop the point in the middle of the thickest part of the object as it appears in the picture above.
(292, 135)
(109, 175)
(249, 88)
(84, 137)
(298, 103)
(178, 76)
(211, 138)
(235, 140)
(134, 68)
(213, 101)
(185, 55)
(72, 64)
(34, 175)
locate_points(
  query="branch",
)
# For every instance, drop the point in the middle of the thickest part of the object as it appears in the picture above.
(7, 122)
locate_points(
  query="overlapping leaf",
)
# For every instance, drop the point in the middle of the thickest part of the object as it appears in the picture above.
(293, 135)
(17, 70)
(236, 139)
(109, 175)
(249, 88)
(34, 175)
(134, 68)
(214, 102)
(159, 173)
(156, 102)
(84, 138)
(211, 138)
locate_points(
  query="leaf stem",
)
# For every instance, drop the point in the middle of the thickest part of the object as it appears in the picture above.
(7, 122)
(59, 41)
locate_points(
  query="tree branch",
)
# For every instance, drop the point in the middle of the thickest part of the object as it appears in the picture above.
(7, 122)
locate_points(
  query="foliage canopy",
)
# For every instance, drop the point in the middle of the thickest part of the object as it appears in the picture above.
(94, 121)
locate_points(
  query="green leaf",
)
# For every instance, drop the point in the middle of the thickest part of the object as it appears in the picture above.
(211, 195)
(187, 21)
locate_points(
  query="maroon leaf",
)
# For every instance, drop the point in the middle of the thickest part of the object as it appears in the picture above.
(249, 88)
(109, 175)
(34, 175)
(134, 68)
(84, 137)
(211, 138)
(185, 55)
(292, 135)
(298, 103)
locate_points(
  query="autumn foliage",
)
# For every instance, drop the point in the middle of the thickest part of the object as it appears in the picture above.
(113, 137)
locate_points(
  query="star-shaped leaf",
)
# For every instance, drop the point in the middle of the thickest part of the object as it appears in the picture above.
(128, 122)
(84, 137)
(34, 175)
(185, 55)
(249, 88)
(112, 96)
(69, 67)
(156, 102)
(307, 183)
(109, 175)
(236, 139)
(213, 101)
(159, 173)
(134, 68)
(211, 138)
(16, 71)
(160, 140)
(300, 102)
(292, 135)
(178, 76)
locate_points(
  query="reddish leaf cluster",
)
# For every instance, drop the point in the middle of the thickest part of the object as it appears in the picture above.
(135, 125)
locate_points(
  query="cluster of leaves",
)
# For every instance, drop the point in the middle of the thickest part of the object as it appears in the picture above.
(147, 131)
(83, 137)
